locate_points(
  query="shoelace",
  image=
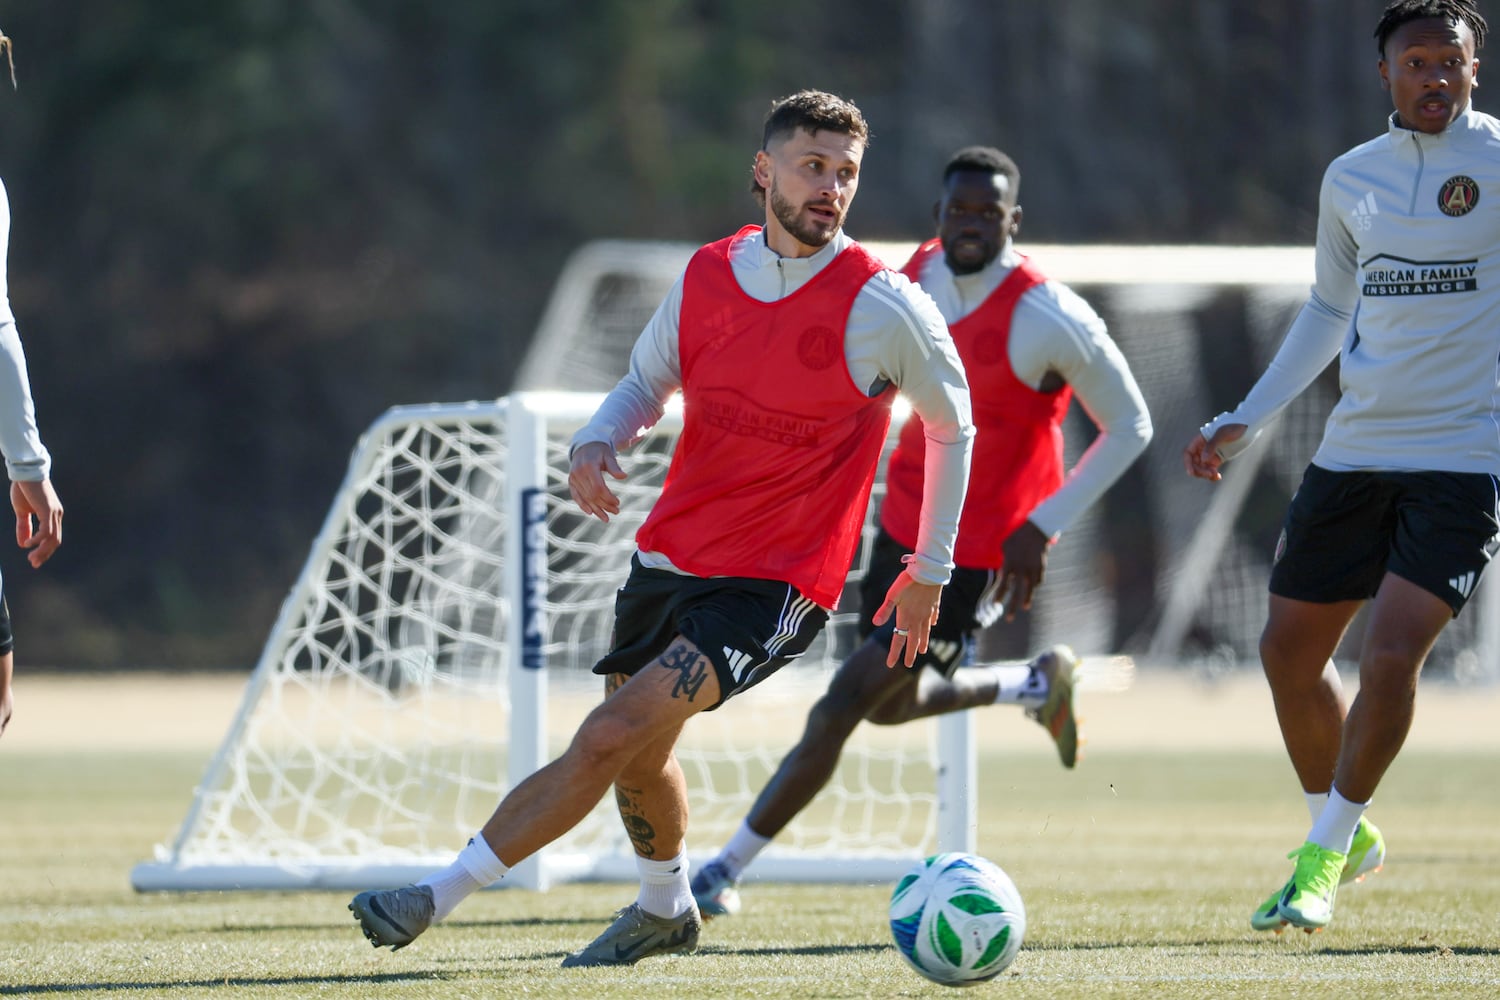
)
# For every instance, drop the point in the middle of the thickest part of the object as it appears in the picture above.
(1314, 871)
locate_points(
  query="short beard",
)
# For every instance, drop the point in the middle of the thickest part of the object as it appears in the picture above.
(803, 232)
(963, 267)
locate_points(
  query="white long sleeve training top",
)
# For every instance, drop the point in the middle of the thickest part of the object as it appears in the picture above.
(1407, 296)
(1053, 329)
(20, 441)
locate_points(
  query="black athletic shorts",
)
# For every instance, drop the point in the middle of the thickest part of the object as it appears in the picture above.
(1345, 530)
(968, 604)
(747, 628)
(7, 638)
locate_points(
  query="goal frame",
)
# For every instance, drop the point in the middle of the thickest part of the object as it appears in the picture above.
(526, 417)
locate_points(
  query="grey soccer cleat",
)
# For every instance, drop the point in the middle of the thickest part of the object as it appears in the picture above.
(716, 893)
(636, 934)
(392, 918)
(1057, 714)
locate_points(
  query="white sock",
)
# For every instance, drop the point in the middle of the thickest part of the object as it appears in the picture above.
(475, 867)
(742, 849)
(1017, 683)
(664, 886)
(1315, 803)
(1334, 828)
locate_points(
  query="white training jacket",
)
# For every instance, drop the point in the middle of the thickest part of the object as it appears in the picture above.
(20, 441)
(1407, 296)
(895, 336)
(1052, 329)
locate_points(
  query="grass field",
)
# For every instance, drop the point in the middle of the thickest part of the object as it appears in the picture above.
(1139, 872)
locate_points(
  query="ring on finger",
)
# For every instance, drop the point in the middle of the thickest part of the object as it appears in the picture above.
(902, 631)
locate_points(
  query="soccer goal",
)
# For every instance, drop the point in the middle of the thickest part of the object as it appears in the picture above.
(437, 649)
(1170, 570)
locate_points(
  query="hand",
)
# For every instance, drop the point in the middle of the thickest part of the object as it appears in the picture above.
(586, 479)
(1201, 457)
(915, 605)
(37, 499)
(1025, 555)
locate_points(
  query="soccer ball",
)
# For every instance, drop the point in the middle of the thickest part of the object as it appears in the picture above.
(957, 919)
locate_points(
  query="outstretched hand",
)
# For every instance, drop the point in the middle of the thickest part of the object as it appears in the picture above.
(590, 463)
(1025, 563)
(1202, 458)
(915, 605)
(37, 500)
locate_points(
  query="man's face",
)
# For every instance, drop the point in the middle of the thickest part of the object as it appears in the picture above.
(1429, 68)
(810, 179)
(974, 218)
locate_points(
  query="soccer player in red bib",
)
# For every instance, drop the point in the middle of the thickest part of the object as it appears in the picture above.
(788, 342)
(1029, 345)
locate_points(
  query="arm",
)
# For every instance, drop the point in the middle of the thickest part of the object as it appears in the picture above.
(916, 354)
(26, 460)
(1313, 340)
(1055, 333)
(634, 405)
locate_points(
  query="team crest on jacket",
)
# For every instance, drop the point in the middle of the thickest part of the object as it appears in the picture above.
(1458, 195)
(818, 347)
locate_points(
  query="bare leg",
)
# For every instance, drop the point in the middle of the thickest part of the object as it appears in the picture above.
(1404, 623)
(861, 684)
(934, 694)
(647, 709)
(651, 794)
(1295, 650)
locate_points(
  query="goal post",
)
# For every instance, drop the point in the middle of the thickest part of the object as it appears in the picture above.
(436, 650)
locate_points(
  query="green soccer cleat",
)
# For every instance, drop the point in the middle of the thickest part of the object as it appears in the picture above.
(716, 893)
(392, 918)
(1058, 713)
(1366, 853)
(635, 934)
(1307, 901)
(1267, 916)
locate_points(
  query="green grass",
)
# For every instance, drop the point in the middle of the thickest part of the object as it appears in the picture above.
(1139, 872)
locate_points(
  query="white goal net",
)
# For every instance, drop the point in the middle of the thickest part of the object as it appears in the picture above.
(437, 649)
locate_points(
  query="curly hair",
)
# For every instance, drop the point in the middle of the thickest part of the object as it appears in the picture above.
(985, 160)
(1398, 12)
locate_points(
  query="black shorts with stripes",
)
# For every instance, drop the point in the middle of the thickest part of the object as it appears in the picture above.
(1345, 530)
(747, 628)
(967, 605)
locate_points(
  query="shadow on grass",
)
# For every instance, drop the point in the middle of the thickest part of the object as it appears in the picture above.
(140, 984)
(338, 928)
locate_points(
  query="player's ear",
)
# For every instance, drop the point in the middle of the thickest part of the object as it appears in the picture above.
(1015, 220)
(1385, 77)
(762, 169)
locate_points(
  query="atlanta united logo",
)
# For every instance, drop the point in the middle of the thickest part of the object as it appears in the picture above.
(818, 347)
(1458, 196)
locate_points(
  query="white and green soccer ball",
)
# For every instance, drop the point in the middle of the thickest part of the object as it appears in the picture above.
(957, 919)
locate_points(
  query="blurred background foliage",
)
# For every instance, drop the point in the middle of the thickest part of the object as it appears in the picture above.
(243, 229)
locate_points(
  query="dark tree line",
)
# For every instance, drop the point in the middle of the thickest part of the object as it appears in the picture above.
(243, 229)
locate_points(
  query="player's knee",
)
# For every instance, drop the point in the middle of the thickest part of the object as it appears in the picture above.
(892, 711)
(835, 715)
(606, 742)
(1280, 659)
